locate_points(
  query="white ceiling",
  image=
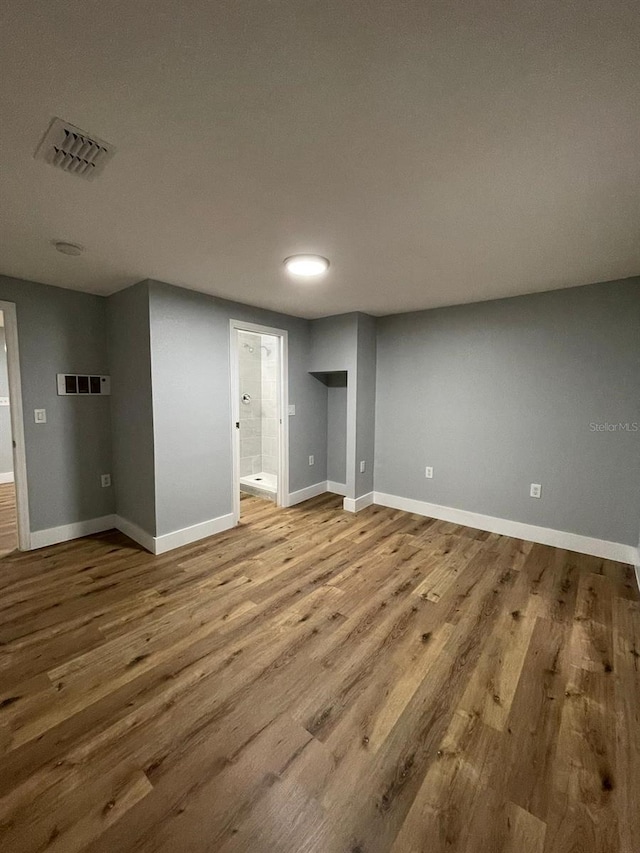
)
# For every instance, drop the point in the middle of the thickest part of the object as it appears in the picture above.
(436, 151)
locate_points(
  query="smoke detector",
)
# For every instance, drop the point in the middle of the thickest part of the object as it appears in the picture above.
(73, 150)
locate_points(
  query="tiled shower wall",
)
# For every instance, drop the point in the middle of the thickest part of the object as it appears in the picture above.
(259, 416)
(250, 412)
(269, 375)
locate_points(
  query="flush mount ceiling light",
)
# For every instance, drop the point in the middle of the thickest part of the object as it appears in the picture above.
(306, 266)
(68, 248)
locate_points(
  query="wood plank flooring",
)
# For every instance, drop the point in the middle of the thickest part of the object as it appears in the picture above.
(319, 682)
(8, 519)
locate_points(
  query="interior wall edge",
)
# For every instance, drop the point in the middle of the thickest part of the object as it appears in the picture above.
(356, 504)
(193, 533)
(134, 532)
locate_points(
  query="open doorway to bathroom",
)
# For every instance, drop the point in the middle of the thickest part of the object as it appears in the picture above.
(14, 501)
(258, 360)
(8, 515)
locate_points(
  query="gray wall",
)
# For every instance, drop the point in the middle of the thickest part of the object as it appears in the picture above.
(131, 406)
(334, 346)
(62, 331)
(6, 447)
(365, 403)
(337, 434)
(192, 404)
(334, 343)
(348, 342)
(498, 395)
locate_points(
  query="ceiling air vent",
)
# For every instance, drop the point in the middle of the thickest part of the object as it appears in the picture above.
(68, 148)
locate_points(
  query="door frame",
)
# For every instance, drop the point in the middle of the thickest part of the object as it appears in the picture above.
(17, 424)
(235, 326)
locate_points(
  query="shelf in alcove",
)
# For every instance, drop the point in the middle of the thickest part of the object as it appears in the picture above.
(331, 378)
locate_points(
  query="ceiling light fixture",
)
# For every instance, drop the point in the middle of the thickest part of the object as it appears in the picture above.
(306, 266)
(68, 248)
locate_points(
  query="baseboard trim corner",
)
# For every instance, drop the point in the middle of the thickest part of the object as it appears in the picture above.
(66, 532)
(307, 493)
(356, 504)
(336, 488)
(519, 530)
(6, 477)
(187, 535)
(134, 532)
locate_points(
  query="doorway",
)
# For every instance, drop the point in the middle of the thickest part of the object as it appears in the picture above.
(259, 397)
(14, 504)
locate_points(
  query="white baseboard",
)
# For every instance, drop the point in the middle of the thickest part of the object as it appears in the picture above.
(336, 488)
(177, 538)
(306, 494)
(356, 504)
(6, 477)
(187, 535)
(134, 532)
(53, 535)
(519, 530)
(637, 568)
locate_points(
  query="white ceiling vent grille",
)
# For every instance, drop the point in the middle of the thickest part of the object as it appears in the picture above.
(68, 148)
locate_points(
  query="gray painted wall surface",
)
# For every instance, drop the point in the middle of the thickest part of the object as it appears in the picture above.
(498, 395)
(348, 342)
(6, 448)
(334, 346)
(131, 406)
(365, 403)
(334, 343)
(192, 404)
(337, 434)
(62, 331)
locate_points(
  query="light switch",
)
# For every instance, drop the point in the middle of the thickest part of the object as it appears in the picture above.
(40, 416)
(292, 409)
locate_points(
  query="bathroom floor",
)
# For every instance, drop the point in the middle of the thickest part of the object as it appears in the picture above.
(260, 485)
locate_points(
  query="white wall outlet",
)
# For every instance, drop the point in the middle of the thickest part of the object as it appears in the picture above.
(292, 409)
(428, 472)
(312, 461)
(536, 490)
(40, 416)
(363, 466)
(105, 480)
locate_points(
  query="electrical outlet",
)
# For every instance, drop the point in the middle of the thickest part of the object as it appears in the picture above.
(362, 467)
(536, 490)
(428, 473)
(292, 409)
(311, 460)
(105, 480)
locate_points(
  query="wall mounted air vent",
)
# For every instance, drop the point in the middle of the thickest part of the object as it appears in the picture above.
(71, 383)
(68, 148)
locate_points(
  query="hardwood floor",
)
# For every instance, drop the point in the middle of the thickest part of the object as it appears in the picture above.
(8, 520)
(318, 681)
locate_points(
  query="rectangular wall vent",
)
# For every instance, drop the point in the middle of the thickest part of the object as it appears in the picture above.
(73, 150)
(87, 385)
